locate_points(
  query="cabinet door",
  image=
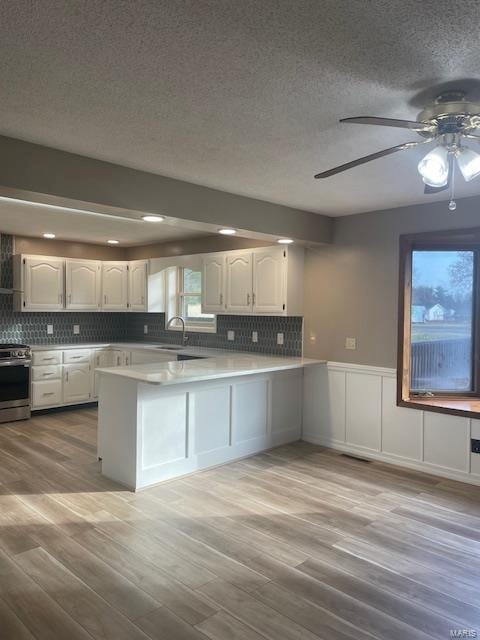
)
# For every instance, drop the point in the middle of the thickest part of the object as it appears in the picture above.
(83, 278)
(46, 393)
(269, 280)
(213, 274)
(102, 358)
(76, 383)
(115, 286)
(137, 285)
(239, 282)
(44, 284)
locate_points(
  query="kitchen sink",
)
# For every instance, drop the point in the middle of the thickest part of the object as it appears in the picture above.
(170, 348)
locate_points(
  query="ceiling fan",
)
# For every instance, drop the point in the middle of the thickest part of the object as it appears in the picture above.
(448, 122)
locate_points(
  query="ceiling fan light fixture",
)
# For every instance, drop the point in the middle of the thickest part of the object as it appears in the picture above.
(469, 163)
(434, 167)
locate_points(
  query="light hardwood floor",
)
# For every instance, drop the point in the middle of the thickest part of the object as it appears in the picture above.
(297, 543)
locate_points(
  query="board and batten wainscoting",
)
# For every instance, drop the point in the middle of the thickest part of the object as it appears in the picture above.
(353, 408)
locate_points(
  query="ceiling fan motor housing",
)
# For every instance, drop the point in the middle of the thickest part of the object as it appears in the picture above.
(451, 113)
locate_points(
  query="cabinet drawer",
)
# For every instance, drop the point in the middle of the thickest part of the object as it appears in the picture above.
(47, 372)
(72, 356)
(46, 393)
(46, 357)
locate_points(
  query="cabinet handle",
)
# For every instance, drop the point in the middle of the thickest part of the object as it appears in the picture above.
(75, 357)
(105, 299)
(47, 374)
(248, 298)
(98, 361)
(253, 299)
(51, 358)
(66, 376)
(50, 393)
(118, 361)
(221, 299)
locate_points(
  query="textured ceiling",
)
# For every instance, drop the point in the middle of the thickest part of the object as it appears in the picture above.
(243, 96)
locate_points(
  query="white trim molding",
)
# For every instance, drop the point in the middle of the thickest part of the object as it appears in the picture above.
(353, 408)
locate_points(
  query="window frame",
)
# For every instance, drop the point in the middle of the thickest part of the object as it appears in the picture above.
(457, 403)
(180, 294)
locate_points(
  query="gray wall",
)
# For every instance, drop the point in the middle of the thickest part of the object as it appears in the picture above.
(351, 287)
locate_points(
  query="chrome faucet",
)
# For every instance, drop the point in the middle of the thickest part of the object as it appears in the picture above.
(184, 336)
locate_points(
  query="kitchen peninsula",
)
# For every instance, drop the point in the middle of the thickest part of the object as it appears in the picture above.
(162, 420)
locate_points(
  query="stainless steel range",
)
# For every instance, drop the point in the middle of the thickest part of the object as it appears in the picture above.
(15, 362)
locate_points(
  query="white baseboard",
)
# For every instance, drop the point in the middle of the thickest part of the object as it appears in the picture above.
(398, 461)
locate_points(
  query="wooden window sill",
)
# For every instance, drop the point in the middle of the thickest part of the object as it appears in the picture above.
(466, 406)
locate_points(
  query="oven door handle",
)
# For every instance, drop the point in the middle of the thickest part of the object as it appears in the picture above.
(15, 363)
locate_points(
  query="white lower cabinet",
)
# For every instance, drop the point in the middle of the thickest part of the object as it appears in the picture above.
(101, 358)
(69, 376)
(77, 386)
(46, 393)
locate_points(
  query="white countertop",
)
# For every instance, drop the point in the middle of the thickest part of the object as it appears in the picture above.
(139, 346)
(225, 366)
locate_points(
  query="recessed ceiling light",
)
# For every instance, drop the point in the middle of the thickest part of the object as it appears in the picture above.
(285, 241)
(227, 232)
(112, 241)
(153, 218)
(49, 235)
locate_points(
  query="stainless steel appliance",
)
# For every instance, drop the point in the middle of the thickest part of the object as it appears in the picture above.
(15, 362)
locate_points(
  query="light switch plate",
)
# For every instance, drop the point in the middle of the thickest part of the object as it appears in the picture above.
(254, 336)
(230, 335)
(351, 343)
(76, 329)
(49, 329)
(280, 338)
(145, 329)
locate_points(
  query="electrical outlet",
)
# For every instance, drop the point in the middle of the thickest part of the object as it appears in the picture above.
(351, 343)
(254, 336)
(230, 335)
(475, 446)
(145, 329)
(280, 338)
(49, 329)
(76, 329)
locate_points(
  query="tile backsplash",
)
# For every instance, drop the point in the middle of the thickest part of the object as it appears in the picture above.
(31, 328)
(266, 327)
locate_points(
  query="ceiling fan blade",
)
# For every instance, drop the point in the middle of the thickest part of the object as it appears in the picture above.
(369, 158)
(391, 122)
(429, 190)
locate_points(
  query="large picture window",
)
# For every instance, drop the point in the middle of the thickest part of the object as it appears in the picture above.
(439, 349)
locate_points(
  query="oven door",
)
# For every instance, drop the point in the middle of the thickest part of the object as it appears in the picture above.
(14, 383)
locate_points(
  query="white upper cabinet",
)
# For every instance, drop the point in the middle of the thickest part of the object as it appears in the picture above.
(83, 284)
(269, 280)
(239, 282)
(43, 283)
(115, 286)
(213, 283)
(137, 285)
(260, 281)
